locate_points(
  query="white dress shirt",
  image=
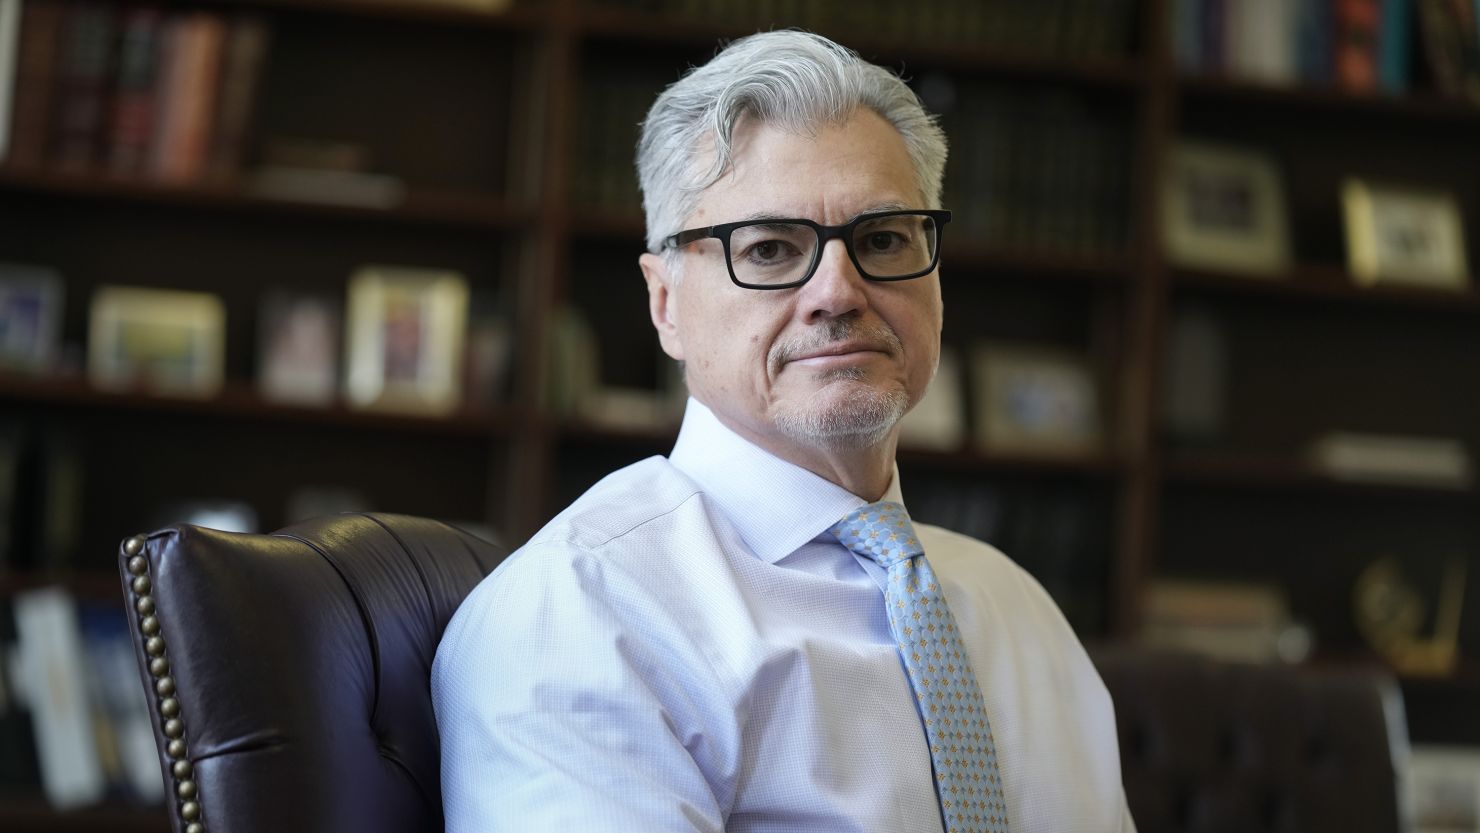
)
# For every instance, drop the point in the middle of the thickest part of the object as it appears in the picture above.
(686, 648)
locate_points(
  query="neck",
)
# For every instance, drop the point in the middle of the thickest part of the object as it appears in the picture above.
(865, 471)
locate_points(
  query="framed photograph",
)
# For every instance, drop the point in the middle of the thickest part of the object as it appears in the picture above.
(30, 317)
(1406, 236)
(298, 348)
(1035, 399)
(938, 421)
(1443, 787)
(168, 341)
(406, 339)
(1225, 210)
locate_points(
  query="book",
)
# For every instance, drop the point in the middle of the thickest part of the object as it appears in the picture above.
(82, 85)
(1355, 44)
(131, 124)
(10, 38)
(52, 673)
(1401, 460)
(1227, 620)
(1451, 40)
(246, 49)
(188, 75)
(35, 81)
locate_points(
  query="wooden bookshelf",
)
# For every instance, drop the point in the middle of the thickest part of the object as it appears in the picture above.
(239, 401)
(1310, 348)
(1330, 286)
(32, 815)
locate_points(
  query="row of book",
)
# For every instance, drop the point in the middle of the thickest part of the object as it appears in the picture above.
(135, 90)
(613, 104)
(74, 719)
(1028, 168)
(1036, 169)
(1356, 45)
(1066, 28)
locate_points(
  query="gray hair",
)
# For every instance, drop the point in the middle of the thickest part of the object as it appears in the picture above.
(790, 79)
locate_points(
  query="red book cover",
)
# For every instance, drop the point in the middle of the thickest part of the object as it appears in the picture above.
(1354, 47)
(186, 95)
(132, 121)
(82, 85)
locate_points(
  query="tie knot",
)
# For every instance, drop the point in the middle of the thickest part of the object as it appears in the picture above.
(879, 531)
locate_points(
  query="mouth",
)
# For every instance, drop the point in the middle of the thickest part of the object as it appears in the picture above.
(837, 354)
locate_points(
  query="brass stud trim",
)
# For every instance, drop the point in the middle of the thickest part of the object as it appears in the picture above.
(167, 704)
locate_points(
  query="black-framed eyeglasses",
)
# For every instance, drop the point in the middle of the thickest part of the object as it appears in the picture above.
(782, 253)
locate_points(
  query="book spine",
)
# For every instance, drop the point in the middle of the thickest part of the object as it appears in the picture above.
(10, 33)
(1355, 44)
(35, 81)
(1393, 40)
(133, 100)
(245, 52)
(77, 130)
(190, 89)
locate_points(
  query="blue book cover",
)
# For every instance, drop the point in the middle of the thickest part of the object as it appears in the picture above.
(1313, 40)
(1393, 38)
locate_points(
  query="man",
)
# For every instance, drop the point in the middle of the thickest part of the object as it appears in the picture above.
(749, 635)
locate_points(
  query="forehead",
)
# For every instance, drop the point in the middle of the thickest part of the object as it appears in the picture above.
(830, 174)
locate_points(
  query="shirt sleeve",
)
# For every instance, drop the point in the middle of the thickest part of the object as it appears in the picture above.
(567, 699)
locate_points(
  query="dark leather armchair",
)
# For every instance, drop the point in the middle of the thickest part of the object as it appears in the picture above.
(1208, 746)
(288, 674)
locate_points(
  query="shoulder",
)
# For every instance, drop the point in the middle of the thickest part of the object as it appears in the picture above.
(612, 555)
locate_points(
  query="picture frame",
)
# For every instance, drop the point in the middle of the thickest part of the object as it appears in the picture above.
(1443, 789)
(30, 317)
(1035, 399)
(298, 346)
(938, 420)
(163, 340)
(406, 339)
(1404, 236)
(1225, 210)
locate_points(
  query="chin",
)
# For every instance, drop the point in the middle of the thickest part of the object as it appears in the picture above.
(846, 413)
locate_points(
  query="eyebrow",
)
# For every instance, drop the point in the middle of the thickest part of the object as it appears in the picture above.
(771, 215)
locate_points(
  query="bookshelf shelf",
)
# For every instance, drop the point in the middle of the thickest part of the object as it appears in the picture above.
(1329, 101)
(240, 401)
(431, 207)
(1328, 285)
(1274, 474)
(33, 815)
(970, 459)
(1111, 269)
(1101, 73)
(517, 18)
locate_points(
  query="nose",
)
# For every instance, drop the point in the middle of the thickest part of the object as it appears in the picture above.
(835, 290)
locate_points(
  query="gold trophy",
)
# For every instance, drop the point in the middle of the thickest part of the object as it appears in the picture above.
(1390, 613)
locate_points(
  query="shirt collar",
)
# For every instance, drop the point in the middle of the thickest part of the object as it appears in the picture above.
(776, 506)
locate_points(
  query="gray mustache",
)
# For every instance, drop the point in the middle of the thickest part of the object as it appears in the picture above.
(831, 332)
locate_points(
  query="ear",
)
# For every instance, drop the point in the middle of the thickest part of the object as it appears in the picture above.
(662, 303)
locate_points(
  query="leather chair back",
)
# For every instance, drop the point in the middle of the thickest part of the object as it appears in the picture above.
(1210, 746)
(289, 674)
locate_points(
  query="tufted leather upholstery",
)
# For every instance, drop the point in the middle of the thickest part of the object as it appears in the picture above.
(298, 669)
(299, 663)
(1209, 746)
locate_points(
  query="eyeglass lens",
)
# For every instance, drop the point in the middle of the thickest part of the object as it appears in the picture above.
(768, 253)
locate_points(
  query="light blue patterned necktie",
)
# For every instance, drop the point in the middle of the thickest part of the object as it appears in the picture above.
(962, 749)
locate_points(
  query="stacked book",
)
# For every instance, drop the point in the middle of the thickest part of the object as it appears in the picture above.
(131, 90)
